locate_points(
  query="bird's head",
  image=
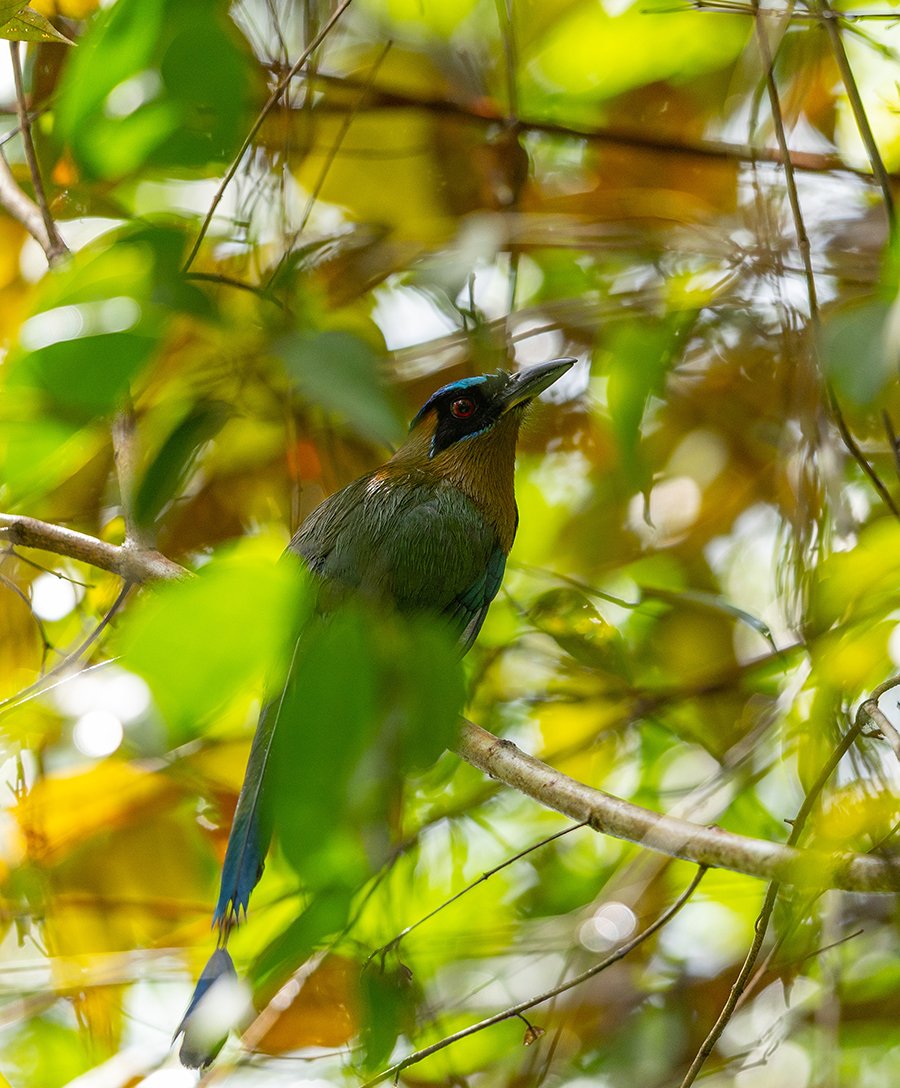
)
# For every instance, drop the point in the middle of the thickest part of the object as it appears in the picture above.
(476, 406)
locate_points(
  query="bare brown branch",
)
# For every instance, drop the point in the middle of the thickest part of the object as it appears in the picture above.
(132, 564)
(710, 846)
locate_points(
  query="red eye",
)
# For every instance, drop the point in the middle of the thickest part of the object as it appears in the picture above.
(463, 408)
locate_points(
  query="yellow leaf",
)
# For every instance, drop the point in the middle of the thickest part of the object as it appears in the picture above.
(324, 1012)
(61, 811)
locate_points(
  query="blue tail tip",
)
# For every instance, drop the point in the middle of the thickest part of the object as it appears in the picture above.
(203, 1040)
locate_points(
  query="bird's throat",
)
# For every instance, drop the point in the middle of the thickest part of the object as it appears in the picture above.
(481, 467)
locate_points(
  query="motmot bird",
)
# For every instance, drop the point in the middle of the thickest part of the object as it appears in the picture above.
(428, 531)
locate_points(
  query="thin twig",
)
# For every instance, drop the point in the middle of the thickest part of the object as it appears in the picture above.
(240, 285)
(833, 30)
(531, 1002)
(394, 941)
(55, 248)
(893, 442)
(257, 125)
(71, 657)
(789, 179)
(330, 156)
(765, 914)
(23, 597)
(858, 455)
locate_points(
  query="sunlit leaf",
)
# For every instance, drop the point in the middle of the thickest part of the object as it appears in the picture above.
(28, 25)
(20, 642)
(61, 812)
(199, 642)
(166, 473)
(595, 52)
(323, 1013)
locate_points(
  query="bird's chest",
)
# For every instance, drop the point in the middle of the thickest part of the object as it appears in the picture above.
(426, 543)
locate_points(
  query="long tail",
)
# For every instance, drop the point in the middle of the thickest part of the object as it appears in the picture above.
(248, 842)
(251, 830)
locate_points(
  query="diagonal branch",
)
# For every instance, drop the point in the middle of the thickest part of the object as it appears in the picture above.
(501, 759)
(709, 846)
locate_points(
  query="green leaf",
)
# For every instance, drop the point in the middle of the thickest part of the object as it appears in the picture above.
(368, 691)
(45, 1052)
(36, 455)
(855, 352)
(203, 641)
(326, 721)
(28, 25)
(157, 82)
(639, 359)
(339, 372)
(9, 8)
(569, 618)
(168, 471)
(388, 1008)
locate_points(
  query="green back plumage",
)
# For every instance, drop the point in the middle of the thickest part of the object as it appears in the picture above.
(410, 539)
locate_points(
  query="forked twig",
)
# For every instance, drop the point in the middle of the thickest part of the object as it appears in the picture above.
(539, 999)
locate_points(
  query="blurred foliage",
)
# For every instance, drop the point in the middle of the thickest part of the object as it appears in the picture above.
(703, 588)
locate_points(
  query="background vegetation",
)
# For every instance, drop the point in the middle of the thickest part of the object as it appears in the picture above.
(272, 228)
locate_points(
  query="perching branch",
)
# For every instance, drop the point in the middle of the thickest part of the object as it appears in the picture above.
(709, 846)
(501, 759)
